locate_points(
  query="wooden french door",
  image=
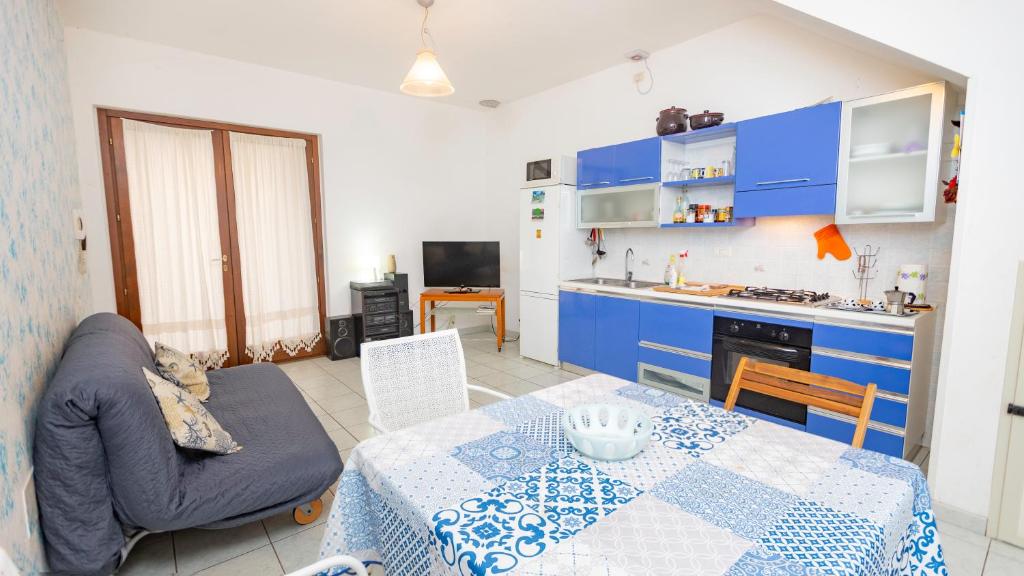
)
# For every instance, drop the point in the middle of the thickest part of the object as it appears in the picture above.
(122, 242)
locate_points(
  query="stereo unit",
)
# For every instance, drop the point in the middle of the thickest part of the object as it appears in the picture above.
(405, 323)
(401, 283)
(342, 337)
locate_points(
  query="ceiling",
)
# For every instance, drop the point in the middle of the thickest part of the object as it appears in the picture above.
(490, 49)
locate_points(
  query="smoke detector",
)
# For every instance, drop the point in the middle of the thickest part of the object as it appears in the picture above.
(490, 103)
(638, 55)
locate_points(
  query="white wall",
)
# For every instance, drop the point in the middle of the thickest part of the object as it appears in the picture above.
(757, 66)
(982, 41)
(396, 170)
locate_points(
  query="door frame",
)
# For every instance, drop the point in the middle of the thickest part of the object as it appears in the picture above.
(122, 246)
(1014, 367)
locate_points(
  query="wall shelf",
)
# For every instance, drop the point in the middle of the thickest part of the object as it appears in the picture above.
(721, 131)
(694, 182)
(734, 223)
(890, 156)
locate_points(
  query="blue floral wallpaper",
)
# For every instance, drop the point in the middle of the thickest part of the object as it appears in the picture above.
(42, 291)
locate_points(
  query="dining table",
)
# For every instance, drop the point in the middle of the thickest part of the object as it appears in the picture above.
(501, 490)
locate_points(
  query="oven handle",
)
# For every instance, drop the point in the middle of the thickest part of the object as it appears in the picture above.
(774, 351)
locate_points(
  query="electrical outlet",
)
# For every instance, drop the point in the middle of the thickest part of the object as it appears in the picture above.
(723, 252)
(645, 262)
(760, 268)
(28, 495)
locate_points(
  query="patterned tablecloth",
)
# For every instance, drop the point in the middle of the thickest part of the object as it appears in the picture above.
(500, 490)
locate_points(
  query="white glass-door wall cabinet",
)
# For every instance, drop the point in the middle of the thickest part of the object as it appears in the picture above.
(634, 206)
(890, 149)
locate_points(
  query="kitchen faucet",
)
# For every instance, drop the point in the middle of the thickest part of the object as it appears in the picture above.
(629, 265)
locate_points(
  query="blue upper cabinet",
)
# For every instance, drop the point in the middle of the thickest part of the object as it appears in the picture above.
(615, 343)
(786, 164)
(595, 168)
(638, 162)
(576, 328)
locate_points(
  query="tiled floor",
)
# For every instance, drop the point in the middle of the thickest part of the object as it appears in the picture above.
(335, 392)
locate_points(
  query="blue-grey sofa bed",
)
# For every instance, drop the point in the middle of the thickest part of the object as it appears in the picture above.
(106, 467)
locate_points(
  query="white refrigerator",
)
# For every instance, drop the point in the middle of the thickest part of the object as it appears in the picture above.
(550, 249)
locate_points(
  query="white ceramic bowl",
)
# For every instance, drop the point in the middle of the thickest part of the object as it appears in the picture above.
(607, 431)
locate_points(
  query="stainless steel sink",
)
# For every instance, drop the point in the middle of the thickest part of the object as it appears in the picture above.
(616, 282)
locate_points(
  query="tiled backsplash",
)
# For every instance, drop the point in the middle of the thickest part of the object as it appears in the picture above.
(782, 253)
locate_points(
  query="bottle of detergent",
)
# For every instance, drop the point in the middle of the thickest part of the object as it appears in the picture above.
(671, 272)
(680, 276)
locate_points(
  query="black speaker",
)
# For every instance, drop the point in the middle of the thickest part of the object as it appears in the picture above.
(342, 337)
(401, 283)
(405, 323)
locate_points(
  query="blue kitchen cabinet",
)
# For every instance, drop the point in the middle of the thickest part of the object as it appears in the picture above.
(864, 341)
(880, 356)
(638, 162)
(577, 313)
(682, 327)
(595, 168)
(615, 337)
(675, 348)
(841, 430)
(888, 377)
(787, 164)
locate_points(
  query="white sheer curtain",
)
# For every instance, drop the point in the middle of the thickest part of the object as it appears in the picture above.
(275, 243)
(172, 190)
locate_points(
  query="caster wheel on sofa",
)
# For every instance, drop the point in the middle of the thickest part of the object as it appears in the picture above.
(308, 513)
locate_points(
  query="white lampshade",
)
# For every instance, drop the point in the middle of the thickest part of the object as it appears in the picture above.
(426, 78)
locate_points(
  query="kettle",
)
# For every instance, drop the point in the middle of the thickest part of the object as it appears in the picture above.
(896, 301)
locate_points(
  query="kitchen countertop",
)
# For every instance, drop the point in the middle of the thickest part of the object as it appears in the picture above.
(807, 313)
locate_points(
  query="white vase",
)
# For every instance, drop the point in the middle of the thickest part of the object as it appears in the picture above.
(913, 278)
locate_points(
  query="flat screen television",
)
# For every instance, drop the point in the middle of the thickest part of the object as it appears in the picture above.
(461, 264)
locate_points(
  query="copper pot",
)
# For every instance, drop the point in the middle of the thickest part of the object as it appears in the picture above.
(671, 121)
(706, 120)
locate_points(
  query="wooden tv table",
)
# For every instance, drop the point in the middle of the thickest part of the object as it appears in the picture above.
(435, 295)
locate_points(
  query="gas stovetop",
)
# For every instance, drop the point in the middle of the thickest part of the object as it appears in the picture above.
(802, 297)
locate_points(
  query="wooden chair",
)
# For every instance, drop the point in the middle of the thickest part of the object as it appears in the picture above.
(826, 392)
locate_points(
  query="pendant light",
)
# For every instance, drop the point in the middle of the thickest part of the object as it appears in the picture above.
(426, 78)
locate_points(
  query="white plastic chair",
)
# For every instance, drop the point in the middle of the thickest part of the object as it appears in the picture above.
(331, 563)
(417, 378)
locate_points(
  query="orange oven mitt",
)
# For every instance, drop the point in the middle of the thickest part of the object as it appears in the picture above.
(830, 240)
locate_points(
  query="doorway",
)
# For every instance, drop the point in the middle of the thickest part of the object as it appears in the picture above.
(1007, 510)
(216, 236)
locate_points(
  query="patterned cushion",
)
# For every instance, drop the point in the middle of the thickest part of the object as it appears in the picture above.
(190, 424)
(182, 370)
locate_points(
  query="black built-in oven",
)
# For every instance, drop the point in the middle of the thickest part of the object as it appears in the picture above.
(762, 342)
